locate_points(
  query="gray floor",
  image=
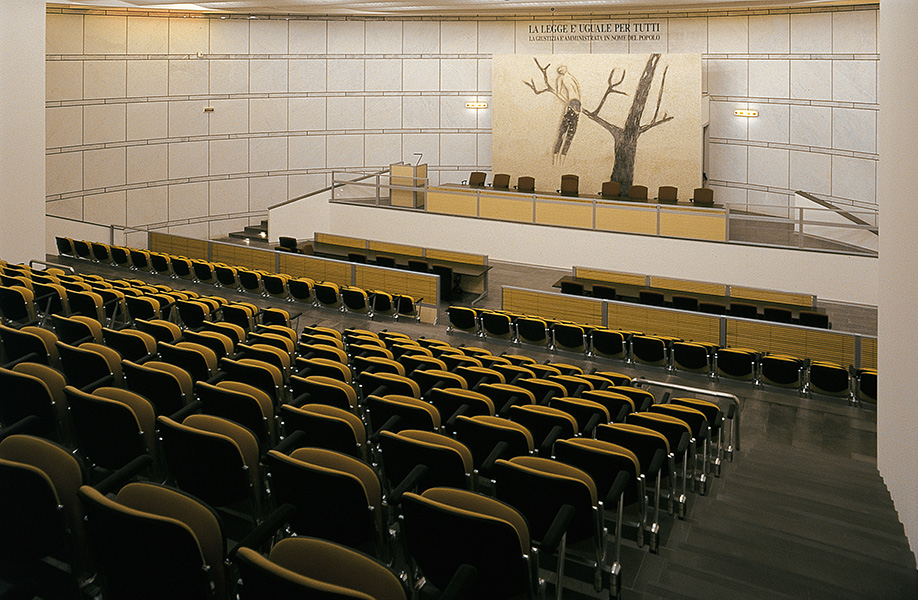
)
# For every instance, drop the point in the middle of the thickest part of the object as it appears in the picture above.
(800, 512)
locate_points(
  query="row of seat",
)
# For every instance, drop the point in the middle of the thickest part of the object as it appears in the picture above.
(439, 345)
(672, 353)
(459, 370)
(612, 190)
(264, 283)
(743, 310)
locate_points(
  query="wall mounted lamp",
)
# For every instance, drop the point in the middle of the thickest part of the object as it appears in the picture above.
(746, 113)
(476, 105)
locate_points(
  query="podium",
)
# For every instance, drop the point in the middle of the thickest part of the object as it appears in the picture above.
(403, 174)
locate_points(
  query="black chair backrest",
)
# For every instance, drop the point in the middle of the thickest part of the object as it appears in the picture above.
(703, 196)
(572, 287)
(501, 181)
(477, 178)
(401, 455)
(144, 558)
(162, 389)
(107, 433)
(441, 540)
(287, 242)
(525, 184)
(24, 396)
(207, 467)
(330, 505)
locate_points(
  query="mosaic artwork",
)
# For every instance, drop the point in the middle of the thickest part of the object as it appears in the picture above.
(631, 118)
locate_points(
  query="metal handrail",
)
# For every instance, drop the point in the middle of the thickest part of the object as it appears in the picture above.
(734, 441)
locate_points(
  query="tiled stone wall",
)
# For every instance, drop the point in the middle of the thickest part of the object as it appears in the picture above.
(129, 141)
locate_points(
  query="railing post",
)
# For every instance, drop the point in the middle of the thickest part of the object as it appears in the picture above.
(800, 227)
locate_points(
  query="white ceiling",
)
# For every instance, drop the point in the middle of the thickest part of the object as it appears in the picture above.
(453, 7)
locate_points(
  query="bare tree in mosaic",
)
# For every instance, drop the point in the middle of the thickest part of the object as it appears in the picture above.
(625, 137)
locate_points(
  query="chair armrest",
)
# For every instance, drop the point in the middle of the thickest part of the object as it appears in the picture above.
(497, 452)
(462, 410)
(295, 440)
(460, 584)
(90, 387)
(390, 425)
(683, 443)
(592, 423)
(656, 463)
(410, 482)
(558, 528)
(23, 425)
(266, 529)
(549, 441)
(618, 488)
(116, 480)
(192, 408)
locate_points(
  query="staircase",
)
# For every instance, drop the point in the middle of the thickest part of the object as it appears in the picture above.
(253, 232)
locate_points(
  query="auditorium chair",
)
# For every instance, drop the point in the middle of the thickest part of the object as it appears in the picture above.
(679, 436)
(569, 337)
(865, 381)
(782, 370)
(693, 357)
(90, 364)
(570, 185)
(667, 194)
(448, 461)
(477, 178)
(651, 448)
(685, 302)
(650, 350)
(736, 363)
(525, 184)
(607, 343)
(587, 413)
(151, 540)
(385, 261)
(289, 244)
(444, 528)
(651, 298)
(572, 287)
(778, 315)
(317, 389)
(112, 427)
(463, 319)
(412, 413)
(637, 192)
(814, 319)
(617, 405)
(603, 461)
(41, 515)
(500, 181)
(743, 310)
(213, 459)
(533, 330)
(17, 306)
(30, 343)
(35, 390)
(611, 190)
(604, 292)
(698, 444)
(327, 427)
(167, 386)
(541, 489)
(703, 196)
(546, 425)
(304, 567)
(243, 404)
(449, 402)
(828, 378)
(338, 497)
